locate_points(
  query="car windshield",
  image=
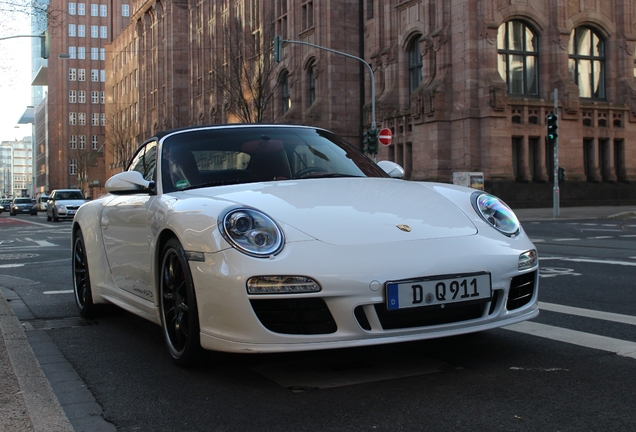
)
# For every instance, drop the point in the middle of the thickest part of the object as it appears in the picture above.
(71, 195)
(224, 156)
(23, 201)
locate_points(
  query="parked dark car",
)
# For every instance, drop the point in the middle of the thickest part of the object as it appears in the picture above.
(23, 205)
(5, 203)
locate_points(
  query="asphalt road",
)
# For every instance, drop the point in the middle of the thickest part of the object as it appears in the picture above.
(559, 372)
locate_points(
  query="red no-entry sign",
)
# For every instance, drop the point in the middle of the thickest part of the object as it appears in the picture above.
(385, 136)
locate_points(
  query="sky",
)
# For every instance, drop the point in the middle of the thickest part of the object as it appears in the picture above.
(15, 75)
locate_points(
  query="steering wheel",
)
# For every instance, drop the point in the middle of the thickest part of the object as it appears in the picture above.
(305, 171)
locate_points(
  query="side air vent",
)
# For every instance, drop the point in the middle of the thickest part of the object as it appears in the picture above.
(521, 290)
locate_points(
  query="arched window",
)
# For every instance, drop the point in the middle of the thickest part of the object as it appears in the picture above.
(587, 62)
(311, 81)
(518, 56)
(415, 64)
(284, 92)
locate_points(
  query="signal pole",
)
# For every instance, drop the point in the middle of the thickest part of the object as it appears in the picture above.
(278, 56)
(555, 192)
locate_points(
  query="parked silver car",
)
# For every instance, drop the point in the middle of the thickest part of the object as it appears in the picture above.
(63, 203)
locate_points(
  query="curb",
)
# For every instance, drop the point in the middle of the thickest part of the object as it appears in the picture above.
(43, 411)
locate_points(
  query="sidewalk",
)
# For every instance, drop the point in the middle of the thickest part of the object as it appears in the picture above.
(612, 212)
(27, 402)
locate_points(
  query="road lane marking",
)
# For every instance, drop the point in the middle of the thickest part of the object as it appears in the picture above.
(589, 260)
(588, 313)
(43, 243)
(587, 340)
(58, 292)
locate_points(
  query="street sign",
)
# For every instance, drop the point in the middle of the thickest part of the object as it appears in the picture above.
(385, 137)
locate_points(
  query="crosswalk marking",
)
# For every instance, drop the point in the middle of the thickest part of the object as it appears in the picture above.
(618, 346)
(606, 316)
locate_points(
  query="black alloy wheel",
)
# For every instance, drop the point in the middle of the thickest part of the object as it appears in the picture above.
(81, 278)
(179, 315)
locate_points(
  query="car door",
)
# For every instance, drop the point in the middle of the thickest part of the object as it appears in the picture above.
(125, 228)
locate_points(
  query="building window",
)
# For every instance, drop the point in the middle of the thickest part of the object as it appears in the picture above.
(72, 166)
(94, 9)
(587, 62)
(81, 74)
(72, 142)
(81, 9)
(102, 75)
(415, 64)
(72, 52)
(81, 30)
(284, 89)
(95, 75)
(94, 97)
(307, 15)
(103, 10)
(72, 118)
(102, 97)
(103, 119)
(81, 119)
(95, 119)
(72, 74)
(81, 96)
(71, 8)
(102, 54)
(94, 53)
(72, 96)
(82, 142)
(81, 53)
(103, 32)
(312, 84)
(517, 46)
(125, 10)
(94, 142)
(72, 30)
(94, 31)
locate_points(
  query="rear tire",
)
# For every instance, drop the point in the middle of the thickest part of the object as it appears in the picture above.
(81, 278)
(179, 314)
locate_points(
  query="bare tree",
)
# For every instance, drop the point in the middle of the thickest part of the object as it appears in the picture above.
(246, 71)
(40, 12)
(120, 142)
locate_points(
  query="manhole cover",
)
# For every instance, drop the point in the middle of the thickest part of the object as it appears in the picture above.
(6, 257)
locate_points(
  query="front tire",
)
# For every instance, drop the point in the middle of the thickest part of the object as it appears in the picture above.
(179, 314)
(81, 278)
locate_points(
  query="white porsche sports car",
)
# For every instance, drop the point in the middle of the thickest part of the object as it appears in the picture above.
(265, 238)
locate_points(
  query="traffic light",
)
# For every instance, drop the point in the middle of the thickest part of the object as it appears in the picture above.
(561, 174)
(371, 141)
(553, 126)
(278, 48)
(45, 44)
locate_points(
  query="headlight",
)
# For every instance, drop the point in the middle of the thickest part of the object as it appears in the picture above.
(251, 231)
(496, 213)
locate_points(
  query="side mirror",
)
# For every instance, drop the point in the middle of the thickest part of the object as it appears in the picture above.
(128, 182)
(392, 169)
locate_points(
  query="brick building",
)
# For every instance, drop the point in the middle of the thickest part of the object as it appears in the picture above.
(465, 85)
(75, 118)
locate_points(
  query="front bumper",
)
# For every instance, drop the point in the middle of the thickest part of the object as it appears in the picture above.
(350, 309)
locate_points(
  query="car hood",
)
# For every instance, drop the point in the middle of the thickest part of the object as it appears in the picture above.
(70, 203)
(352, 211)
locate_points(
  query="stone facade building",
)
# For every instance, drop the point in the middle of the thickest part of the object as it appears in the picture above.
(464, 85)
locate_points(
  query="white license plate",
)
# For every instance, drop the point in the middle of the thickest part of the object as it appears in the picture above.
(439, 291)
